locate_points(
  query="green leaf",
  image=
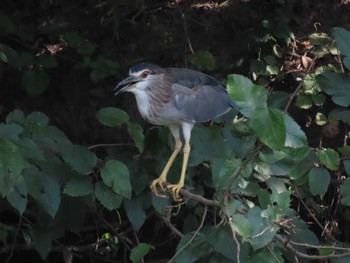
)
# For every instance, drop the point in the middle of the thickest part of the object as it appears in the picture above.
(345, 192)
(269, 126)
(116, 175)
(336, 85)
(78, 186)
(241, 225)
(42, 239)
(17, 197)
(112, 116)
(7, 26)
(138, 252)
(107, 197)
(319, 179)
(342, 114)
(221, 239)
(246, 95)
(80, 158)
(330, 158)
(203, 59)
(44, 189)
(263, 231)
(342, 38)
(136, 132)
(295, 137)
(47, 61)
(135, 210)
(15, 116)
(197, 248)
(38, 118)
(223, 171)
(303, 101)
(11, 131)
(35, 81)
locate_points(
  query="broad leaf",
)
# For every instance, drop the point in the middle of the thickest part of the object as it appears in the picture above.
(78, 186)
(330, 158)
(295, 137)
(135, 210)
(112, 116)
(342, 38)
(107, 197)
(269, 126)
(246, 95)
(80, 158)
(345, 192)
(35, 81)
(17, 197)
(136, 132)
(337, 85)
(116, 175)
(138, 252)
(319, 179)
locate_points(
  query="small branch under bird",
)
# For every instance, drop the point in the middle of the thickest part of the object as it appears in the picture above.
(178, 98)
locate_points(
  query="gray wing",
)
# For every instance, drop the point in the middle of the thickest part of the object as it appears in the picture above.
(199, 96)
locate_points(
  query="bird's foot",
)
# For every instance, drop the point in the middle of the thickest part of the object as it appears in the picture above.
(158, 182)
(175, 189)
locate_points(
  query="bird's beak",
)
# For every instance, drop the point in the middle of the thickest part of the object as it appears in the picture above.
(125, 84)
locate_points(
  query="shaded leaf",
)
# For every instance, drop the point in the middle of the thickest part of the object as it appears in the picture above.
(319, 179)
(203, 59)
(112, 116)
(42, 240)
(80, 158)
(330, 158)
(107, 197)
(116, 175)
(345, 192)
(138, 252)
(135, 210)
(337, 85)
(17, 197)
(35, 81)
(136, 132)
(78, 186)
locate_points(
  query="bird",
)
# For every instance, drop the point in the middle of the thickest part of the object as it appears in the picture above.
(177, 98)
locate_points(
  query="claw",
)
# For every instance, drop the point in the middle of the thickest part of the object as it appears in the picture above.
(158, 182)
(175, 189)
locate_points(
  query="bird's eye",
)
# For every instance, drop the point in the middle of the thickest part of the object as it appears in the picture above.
(144, 74)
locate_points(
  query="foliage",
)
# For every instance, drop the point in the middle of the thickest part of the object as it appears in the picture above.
(261, 186)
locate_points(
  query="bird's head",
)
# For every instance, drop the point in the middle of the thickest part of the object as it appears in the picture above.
(140, 76)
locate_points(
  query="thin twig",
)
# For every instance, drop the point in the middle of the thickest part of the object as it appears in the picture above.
(187, 194)
(186, 29)
(110, 145)
(194, 235)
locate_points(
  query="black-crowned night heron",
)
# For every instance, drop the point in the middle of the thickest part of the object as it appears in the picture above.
(177, 98)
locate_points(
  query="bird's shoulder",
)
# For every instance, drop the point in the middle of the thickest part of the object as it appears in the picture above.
(193, 79)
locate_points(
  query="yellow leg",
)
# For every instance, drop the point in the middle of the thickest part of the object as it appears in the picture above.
(162, 178)
(175, 188)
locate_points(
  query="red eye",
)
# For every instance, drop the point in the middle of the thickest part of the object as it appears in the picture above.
(144, 74)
